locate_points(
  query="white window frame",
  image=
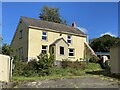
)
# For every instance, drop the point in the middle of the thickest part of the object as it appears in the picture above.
(44, 35)
(71, 52)
(44, 49)
(69, 39)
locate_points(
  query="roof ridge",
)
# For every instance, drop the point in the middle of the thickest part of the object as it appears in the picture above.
(51, 25)
(47, 21)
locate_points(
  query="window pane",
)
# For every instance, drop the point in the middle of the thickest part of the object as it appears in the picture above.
(44, 47)
(62, 50)
(70, 50)
(43, 33)
(44, 37)
(71, 54)
(69, 37)
(69, 41)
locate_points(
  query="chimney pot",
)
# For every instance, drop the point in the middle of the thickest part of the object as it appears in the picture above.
(74, 24)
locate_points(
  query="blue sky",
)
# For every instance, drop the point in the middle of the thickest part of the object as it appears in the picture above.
(94, 18)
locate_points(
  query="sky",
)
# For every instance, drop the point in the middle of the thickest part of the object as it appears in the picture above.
(95, 19)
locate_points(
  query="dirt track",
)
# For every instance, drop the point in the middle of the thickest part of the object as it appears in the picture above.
(86, 82)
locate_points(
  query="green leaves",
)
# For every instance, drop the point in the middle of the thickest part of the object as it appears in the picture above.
(103, 44)
(6, 49)
(51, 14)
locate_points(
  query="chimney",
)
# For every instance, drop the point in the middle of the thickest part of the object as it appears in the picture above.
(74, 24)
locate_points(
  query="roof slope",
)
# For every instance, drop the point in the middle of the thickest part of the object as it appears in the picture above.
(56, 41)
(51, 25)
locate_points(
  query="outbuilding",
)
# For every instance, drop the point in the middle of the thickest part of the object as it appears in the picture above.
(115, 59)
(5, 68)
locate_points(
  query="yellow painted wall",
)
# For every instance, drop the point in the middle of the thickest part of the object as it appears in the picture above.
(18, 43)
(5, 72)
(57, 50)
(35, 43)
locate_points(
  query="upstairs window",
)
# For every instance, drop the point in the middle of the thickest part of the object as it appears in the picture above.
(69, 39)
(21, 34)
(71, 52)
(44, 49)
(44, 35)
(61, 50)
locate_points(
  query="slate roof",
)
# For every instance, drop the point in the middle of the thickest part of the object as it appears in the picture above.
(56, 41)
(51, 25)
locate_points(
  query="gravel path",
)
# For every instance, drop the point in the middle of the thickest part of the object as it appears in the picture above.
(86, 82)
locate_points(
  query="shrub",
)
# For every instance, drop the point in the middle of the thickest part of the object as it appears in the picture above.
(31, 68)
(34, 67)
(18, 68)
(94, 59)
(77, 64)
(45, 63)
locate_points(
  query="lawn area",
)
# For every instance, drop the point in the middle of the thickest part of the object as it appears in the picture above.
(68, 72)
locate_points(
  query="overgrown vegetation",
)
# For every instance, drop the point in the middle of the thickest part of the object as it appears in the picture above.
(45, 67)
(34, 67)
(67, 72)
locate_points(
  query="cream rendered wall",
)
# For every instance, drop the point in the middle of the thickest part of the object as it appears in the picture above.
(5, 71)
(58, 56)
(18, 43)
(35, 43)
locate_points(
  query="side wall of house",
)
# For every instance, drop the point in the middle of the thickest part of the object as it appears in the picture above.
(36, 42)
(18, 42)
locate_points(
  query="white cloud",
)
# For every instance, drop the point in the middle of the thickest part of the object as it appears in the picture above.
(82, 29)
(109, 34)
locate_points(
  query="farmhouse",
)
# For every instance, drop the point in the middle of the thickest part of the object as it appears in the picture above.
(34, 36)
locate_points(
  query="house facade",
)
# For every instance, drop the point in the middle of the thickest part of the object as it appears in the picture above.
(33, 37)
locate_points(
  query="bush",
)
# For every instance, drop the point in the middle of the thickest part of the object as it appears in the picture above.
(31, 69)
(18, 68)
(45, 63)
(77, 64)
(34, 67)
(94, 59)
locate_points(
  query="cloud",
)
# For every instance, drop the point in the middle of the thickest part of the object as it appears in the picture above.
(109, 34)
(82, 29)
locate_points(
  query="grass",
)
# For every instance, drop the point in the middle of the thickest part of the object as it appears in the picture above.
(59, 73)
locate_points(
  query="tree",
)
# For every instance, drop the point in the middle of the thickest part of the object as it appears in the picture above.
(6, 49)
(51, 14)
(103, 44)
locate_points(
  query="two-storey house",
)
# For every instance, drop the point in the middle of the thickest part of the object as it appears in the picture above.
(33, 37)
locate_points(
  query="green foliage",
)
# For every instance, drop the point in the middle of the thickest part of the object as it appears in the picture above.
(51, 14)
(34, 67)
(45, 63)
(18, 68)
(77, 64)
(6, 49)
(94, 59)
(31, 69)
(103, 44)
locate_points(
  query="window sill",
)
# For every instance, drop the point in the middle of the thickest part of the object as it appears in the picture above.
(44, 40)
(71, 56)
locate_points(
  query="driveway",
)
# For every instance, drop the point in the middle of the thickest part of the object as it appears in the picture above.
(84, 82)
